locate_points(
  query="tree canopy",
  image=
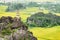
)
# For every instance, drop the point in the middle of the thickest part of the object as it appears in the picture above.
(43, 20)
(15, 6)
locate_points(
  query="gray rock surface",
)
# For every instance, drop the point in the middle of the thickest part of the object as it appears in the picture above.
(22, 32)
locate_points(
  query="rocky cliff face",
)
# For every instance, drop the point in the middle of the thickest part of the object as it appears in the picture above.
(22, 32)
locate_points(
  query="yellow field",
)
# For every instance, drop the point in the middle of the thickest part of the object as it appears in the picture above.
(13, 14)
(41, 33)
(23, 13)
(47, 33)
(3, 8)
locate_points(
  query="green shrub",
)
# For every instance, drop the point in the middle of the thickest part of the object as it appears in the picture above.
(6, 31)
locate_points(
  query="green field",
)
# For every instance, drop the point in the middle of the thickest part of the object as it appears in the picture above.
(41, 33)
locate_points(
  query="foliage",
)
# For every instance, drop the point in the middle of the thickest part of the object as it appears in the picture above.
(44, 20)
(51, 7)
(32, 4)
(6, 31)
(14, 7)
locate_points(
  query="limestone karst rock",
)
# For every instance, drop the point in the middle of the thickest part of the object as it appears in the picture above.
(16, 22)
(22, 33)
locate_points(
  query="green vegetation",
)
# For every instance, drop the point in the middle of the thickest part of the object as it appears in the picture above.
(41, 33)
(43, 20)
(6, 31)
(14, 7)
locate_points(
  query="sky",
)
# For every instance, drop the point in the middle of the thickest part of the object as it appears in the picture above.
(31, 0)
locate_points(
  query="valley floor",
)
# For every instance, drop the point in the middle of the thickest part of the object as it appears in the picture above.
(41, 33)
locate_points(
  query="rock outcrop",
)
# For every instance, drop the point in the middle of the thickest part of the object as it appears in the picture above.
(22, 32)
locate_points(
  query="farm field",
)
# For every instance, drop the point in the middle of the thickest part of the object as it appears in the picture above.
(47, 33)
(41, 33)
